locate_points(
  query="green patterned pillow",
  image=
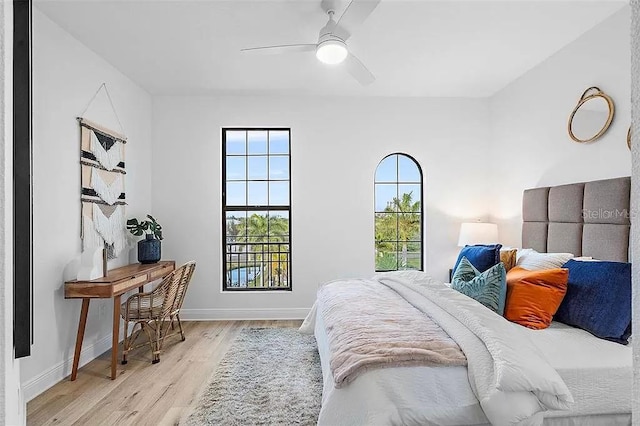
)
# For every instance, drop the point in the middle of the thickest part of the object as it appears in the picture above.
(488, 287)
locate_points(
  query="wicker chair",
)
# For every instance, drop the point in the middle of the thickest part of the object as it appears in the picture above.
(155, 312)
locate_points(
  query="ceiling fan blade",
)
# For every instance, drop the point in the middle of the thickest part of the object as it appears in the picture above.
(358, 70)
(356, 13)
(284, 48)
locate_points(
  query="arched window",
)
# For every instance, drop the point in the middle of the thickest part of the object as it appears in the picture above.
(398, 213)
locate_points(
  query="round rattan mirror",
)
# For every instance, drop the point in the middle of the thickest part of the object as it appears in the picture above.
(591, 117)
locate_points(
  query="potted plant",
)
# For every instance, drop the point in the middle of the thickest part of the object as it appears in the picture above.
(149, 248)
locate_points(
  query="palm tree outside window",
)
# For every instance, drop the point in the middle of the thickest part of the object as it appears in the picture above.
(398, 214)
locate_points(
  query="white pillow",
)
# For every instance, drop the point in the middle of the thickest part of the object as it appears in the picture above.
(523, 252)
(535, 261)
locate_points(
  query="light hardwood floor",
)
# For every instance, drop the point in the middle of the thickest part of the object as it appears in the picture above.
(143, 393)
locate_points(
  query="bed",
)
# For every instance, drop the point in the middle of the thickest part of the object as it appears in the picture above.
(559, 376)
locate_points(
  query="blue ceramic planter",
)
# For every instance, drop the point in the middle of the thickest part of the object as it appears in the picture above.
(149, 250)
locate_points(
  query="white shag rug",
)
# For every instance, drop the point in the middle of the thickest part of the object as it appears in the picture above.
(269, 376)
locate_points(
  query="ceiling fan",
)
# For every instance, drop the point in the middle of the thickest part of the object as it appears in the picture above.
(331, 47)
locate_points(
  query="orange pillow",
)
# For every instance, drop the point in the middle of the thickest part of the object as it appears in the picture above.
(533, 297)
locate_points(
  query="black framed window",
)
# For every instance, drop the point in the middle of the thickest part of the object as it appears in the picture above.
(256, 209)
(398, 214)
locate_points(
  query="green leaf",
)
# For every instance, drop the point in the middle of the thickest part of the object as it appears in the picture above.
(150, 227)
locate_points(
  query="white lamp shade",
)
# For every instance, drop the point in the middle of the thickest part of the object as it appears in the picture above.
(478, 233)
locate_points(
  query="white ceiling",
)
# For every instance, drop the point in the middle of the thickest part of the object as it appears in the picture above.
(414, 48)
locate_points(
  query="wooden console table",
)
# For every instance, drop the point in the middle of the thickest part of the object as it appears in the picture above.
(117, 282)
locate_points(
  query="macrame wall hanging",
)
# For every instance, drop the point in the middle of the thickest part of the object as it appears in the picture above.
(102, 195)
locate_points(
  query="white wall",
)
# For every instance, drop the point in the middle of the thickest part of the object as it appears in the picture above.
(467, 149)
(66, 74)
(530, 145)
(336, 146)
(12, 405)
(635, 201)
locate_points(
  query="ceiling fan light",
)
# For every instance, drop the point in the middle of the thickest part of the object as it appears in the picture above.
(331, 52)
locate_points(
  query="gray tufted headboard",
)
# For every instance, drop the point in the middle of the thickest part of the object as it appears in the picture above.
(586, 219)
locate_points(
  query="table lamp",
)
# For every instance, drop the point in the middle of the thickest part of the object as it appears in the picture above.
(478, 233)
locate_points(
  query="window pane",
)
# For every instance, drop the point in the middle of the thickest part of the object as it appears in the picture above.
(257, 229)
(407, 170)
(385, 193)
(260, 258)
(257, 193)
(257, 167)
(409, 227)
(232, 257)
(236, 193)
(257, 142)
(253, 267)
(233, 275)
(278, 226)
(235, 228)
(276, 273)
(278, 142)
(387, 256)
(236, 142)
(236, 168)
(278, 168)
(254, 273)
(279, 269)
(409, 255)
(386, 227)
(248, 270)
(409, 196)
(387, 169)
(413, 245)
(279, 193)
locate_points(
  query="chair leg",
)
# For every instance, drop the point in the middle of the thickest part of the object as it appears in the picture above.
(125, 343)
(156, 352)
(180, 327)
(145, 327)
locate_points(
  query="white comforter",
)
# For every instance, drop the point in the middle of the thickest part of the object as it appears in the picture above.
(512, 381)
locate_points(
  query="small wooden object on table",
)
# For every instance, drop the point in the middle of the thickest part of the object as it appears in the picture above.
(117, 282)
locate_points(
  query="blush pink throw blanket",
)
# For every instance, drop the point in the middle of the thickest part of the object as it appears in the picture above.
(371, 326)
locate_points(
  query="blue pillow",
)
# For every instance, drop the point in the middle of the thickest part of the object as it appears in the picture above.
(481, 256)
(488, 287)
(598, 299)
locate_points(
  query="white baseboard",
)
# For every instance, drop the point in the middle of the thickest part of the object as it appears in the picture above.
(243, 314)
(58, 372)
